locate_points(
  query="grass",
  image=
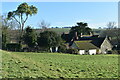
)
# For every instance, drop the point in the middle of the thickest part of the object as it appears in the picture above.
(60, 30)
(58, 65)
(66, 30)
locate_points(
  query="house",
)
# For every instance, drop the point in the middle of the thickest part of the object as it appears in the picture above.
(92, 45)
(85, 47)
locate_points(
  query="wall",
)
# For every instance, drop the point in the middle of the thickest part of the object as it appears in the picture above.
(74, 46)
(81, 52)
(92, 51)
(106, 45)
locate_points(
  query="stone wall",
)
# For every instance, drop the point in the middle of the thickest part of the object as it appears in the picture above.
(106, 46)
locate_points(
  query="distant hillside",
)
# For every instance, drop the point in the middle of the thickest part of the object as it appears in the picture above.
(97, 31)
(66, 30)
(14, 33)
(60, 30)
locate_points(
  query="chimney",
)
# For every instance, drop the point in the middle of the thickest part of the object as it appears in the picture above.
(110, 38)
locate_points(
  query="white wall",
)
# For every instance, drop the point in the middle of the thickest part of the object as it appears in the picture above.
(81, 52)
(92, 51)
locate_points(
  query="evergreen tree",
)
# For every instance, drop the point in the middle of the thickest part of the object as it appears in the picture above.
(80, 28)
(48, 39)
(29, 37)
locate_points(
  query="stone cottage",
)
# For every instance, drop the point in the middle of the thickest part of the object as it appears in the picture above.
(92, 45)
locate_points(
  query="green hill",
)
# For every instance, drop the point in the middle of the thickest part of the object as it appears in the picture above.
(60, 30)
(58, 65)
(66, 30)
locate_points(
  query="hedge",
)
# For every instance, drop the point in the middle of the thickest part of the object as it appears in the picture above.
(13, 47)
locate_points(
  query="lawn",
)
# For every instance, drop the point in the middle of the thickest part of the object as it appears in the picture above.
(58, 65)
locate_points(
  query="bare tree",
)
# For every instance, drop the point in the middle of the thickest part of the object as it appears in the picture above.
(44, 25)
(11, 24)
(111, 25)
(111, 30)
(9, 28)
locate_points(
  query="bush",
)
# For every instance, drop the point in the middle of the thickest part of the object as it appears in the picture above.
(62, 48)
(42, 49)
(118, 51)
(115, 51)
(13, 47)
(72, 51)
(109, 52)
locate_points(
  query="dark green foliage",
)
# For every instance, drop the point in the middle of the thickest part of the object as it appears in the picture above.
(72, 51)
(13, 47)
(4, 40)
(29, 37)
(0, 42)
(48, 39)
(80, 28)
(66, 37)
(5, 37)
(62, 48)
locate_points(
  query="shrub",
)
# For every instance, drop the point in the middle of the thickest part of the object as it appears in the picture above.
(29, 37)
(72, 51)
(62, 48)
(109, 52)
(115, 51)
(13, 47)
(118, 51)
(42, 49)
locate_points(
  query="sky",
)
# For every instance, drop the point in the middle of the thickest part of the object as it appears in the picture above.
(67, 14)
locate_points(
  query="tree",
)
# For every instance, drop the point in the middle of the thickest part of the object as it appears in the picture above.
(5, 27)
(113, 32)
(43, 25)
(48, 39)
(21, 15)
(0, 41)
(80, 28)
(0, 34)
(111, 25)
(5, 37)
(11, 24)
(29, 37)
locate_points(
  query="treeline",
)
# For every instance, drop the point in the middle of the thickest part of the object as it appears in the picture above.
(31, 41)
(48, 41)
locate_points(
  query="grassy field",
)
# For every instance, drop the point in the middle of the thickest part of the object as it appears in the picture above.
(58, 65)
(60, 30)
